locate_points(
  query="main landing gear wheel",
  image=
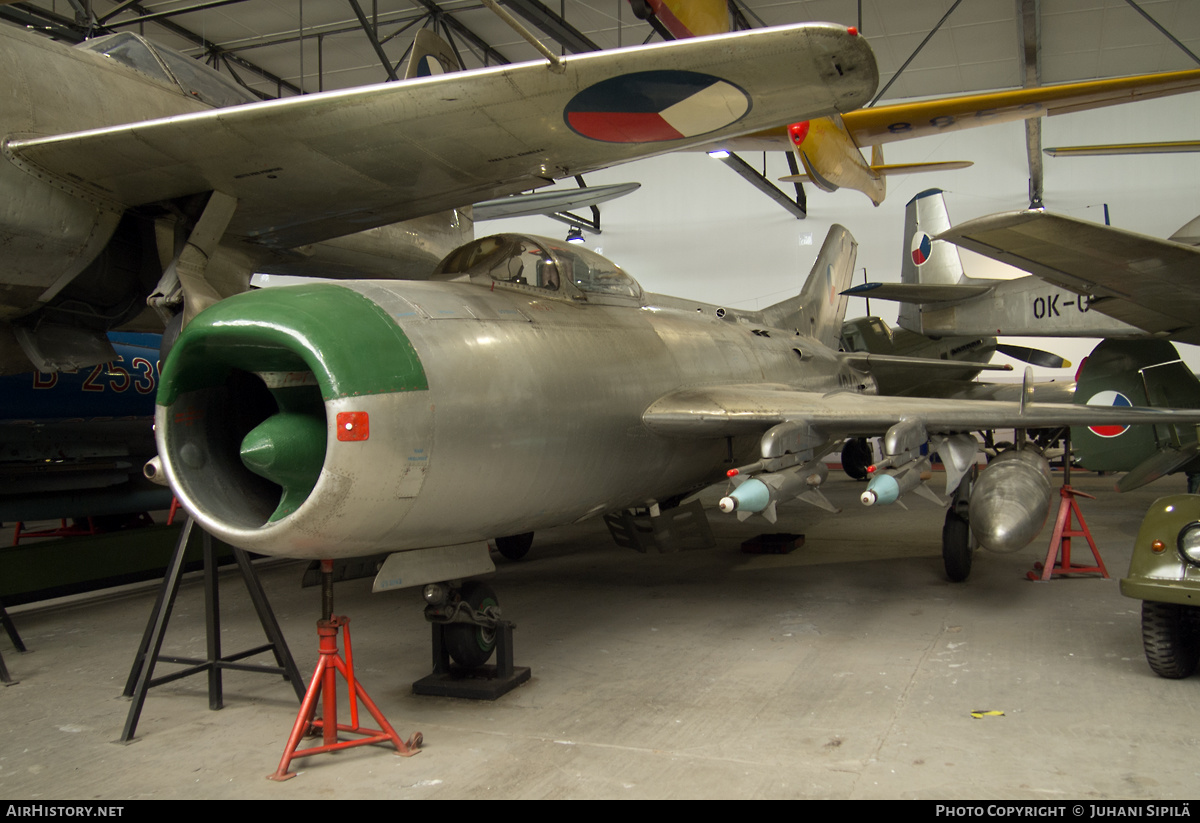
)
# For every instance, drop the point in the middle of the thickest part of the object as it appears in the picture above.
(1171, 638)
(957, 550)
(471, 645)
(856, 456)
(515, 547)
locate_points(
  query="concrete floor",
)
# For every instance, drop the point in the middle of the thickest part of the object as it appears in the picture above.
(848, 669)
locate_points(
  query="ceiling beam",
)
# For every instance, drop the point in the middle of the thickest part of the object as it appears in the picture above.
(913, 56)
(160, 15)
(452, 24)
(369, 31)
(571, 38)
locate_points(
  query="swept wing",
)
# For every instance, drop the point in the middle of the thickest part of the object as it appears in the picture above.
(722, 411)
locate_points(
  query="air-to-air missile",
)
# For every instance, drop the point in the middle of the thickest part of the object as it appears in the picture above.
(762, 493)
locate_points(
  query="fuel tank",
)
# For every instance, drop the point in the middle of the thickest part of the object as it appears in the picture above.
(1011, 500)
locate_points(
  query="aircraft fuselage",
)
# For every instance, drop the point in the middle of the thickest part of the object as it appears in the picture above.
(487, 410)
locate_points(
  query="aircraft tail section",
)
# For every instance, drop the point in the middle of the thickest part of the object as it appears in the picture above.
(431, 55)
(1136, 373)
(927, 262)
(820, 308)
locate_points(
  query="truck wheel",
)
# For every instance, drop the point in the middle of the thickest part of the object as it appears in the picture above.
(1171, 638)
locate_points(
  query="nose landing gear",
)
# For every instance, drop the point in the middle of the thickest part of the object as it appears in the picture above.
(467, 629)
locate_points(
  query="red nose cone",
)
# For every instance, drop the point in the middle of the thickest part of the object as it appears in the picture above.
(852, 31)
(798, 131)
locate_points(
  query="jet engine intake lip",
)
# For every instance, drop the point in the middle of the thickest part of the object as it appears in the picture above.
(330, 343)
(1188, 544)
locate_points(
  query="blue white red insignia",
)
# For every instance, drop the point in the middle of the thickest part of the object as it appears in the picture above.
(654, 106)
(1108, 398)
(429, 66)
(922, 248)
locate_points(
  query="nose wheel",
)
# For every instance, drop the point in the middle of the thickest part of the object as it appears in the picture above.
(467, 630)
(470, 645)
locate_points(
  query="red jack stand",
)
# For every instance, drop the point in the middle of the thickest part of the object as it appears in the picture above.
(1062, 539)
(324, 688)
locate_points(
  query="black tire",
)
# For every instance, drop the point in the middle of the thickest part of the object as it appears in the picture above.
(1171, 638)
(957, 551)
(515, 547)
(856, 456)
(471, 646)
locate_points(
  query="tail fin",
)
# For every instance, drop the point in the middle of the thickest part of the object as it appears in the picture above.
(927, 261)
(431, 55)
(1136, 373)
(821, 307)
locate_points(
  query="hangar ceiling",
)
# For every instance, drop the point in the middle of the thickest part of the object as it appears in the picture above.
(283, 47)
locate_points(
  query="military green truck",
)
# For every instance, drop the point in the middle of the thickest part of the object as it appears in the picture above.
(1164, 573)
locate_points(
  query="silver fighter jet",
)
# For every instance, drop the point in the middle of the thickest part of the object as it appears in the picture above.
(532, 384)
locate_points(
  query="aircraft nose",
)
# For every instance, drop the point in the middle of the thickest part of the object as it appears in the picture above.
(288, 449)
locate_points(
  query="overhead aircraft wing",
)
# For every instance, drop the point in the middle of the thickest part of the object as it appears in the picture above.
(1146, 282)
(550, 202)
(1164, 147)
(722, 411)
(902, 121)
(309, 168)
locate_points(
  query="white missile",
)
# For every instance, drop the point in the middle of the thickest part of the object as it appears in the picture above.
(762, 492)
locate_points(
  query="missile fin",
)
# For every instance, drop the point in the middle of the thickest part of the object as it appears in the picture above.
(929, 494)
(769, 513)
(815, 498)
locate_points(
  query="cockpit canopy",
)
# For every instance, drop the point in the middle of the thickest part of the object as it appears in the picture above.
(170, 67)
(540, 263)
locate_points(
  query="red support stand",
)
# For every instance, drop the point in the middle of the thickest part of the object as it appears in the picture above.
(1061, 539)
(74, 530)
(324, 688)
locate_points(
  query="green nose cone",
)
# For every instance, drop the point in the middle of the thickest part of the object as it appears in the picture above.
(288, 449)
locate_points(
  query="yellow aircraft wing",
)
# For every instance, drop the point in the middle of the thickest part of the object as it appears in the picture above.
(903, 121)
(1165, 147)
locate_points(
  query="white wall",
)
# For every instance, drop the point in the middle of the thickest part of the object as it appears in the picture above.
(696, 229)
